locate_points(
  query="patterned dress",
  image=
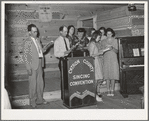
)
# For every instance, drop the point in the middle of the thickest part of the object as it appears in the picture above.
(93, 49)
(103, 37)
(110, 66)
(100, 49)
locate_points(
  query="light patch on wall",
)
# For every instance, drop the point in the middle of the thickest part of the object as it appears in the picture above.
(45, 14)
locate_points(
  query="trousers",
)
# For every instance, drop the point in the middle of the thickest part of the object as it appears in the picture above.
(36, 85)
(59, 65)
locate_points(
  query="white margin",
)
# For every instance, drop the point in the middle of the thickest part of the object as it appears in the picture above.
(75, 114)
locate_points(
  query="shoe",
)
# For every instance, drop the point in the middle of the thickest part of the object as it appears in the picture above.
(108, 93)
(43, 102)
(99, 94)
(98, 99)
(112, 95)
(33, 105)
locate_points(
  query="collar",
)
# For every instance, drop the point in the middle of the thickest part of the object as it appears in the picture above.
(33, 38)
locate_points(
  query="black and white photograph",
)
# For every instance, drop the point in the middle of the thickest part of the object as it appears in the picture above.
(74, 60)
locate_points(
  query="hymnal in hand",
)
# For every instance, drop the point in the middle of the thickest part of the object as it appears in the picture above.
(49, 44)
(74, 46)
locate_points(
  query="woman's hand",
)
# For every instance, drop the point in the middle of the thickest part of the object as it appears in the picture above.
(109, 47)
(94, 55)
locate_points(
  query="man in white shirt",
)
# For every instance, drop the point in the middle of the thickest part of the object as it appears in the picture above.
(33, 56)
(61, 48)
(61, 44)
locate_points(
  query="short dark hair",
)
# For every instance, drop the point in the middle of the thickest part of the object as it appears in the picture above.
(69, 27)
(62, 27)
(94, 36)
(30, 27)
(82, 30)
(102, 28)
(110, 30)
(93, 29)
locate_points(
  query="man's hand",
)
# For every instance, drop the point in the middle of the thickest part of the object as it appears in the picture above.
(67, 52)
(29, 72)
(94, 55)
(44, 50)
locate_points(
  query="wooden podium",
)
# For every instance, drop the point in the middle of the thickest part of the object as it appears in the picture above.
(78, 81)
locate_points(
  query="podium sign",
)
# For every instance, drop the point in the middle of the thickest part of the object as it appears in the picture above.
(78, 82)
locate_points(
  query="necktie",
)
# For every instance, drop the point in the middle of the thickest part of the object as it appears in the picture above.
(65, 44)
(39, 49)
(38, 46)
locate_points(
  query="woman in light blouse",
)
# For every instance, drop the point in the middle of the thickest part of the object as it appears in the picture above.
(96, 52)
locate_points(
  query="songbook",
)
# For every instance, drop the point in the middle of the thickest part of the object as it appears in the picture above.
(142, 51)
(48, 45)
(74, 46)
(136, 52)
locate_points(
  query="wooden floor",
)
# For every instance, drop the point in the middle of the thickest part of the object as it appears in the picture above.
(21, 87)
(116, 102)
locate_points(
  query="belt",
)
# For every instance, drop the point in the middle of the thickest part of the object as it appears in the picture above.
(60, 58)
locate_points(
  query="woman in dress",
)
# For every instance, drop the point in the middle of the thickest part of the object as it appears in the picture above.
(94, 52)
(92, 30)
(70, 35)
(103, 31)
(110, 66)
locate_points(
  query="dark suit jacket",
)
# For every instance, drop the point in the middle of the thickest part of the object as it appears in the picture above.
(31, 55)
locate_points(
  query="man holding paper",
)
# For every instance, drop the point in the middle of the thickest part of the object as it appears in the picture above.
(33, 56)
(62, 45)
(62, 48)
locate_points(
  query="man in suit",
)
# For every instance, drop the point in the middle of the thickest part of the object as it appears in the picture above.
(33, 55)
(61, 48)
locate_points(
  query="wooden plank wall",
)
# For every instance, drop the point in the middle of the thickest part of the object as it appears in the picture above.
(6, 54)
(124, 22)
(19, 16)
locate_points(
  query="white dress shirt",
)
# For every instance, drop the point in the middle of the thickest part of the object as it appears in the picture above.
(38, 46)
(59, 47)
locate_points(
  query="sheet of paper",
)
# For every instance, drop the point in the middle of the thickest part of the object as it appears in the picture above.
(142, 51)
(136, 52)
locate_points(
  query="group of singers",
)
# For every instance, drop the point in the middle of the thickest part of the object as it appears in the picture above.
(102, 45)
